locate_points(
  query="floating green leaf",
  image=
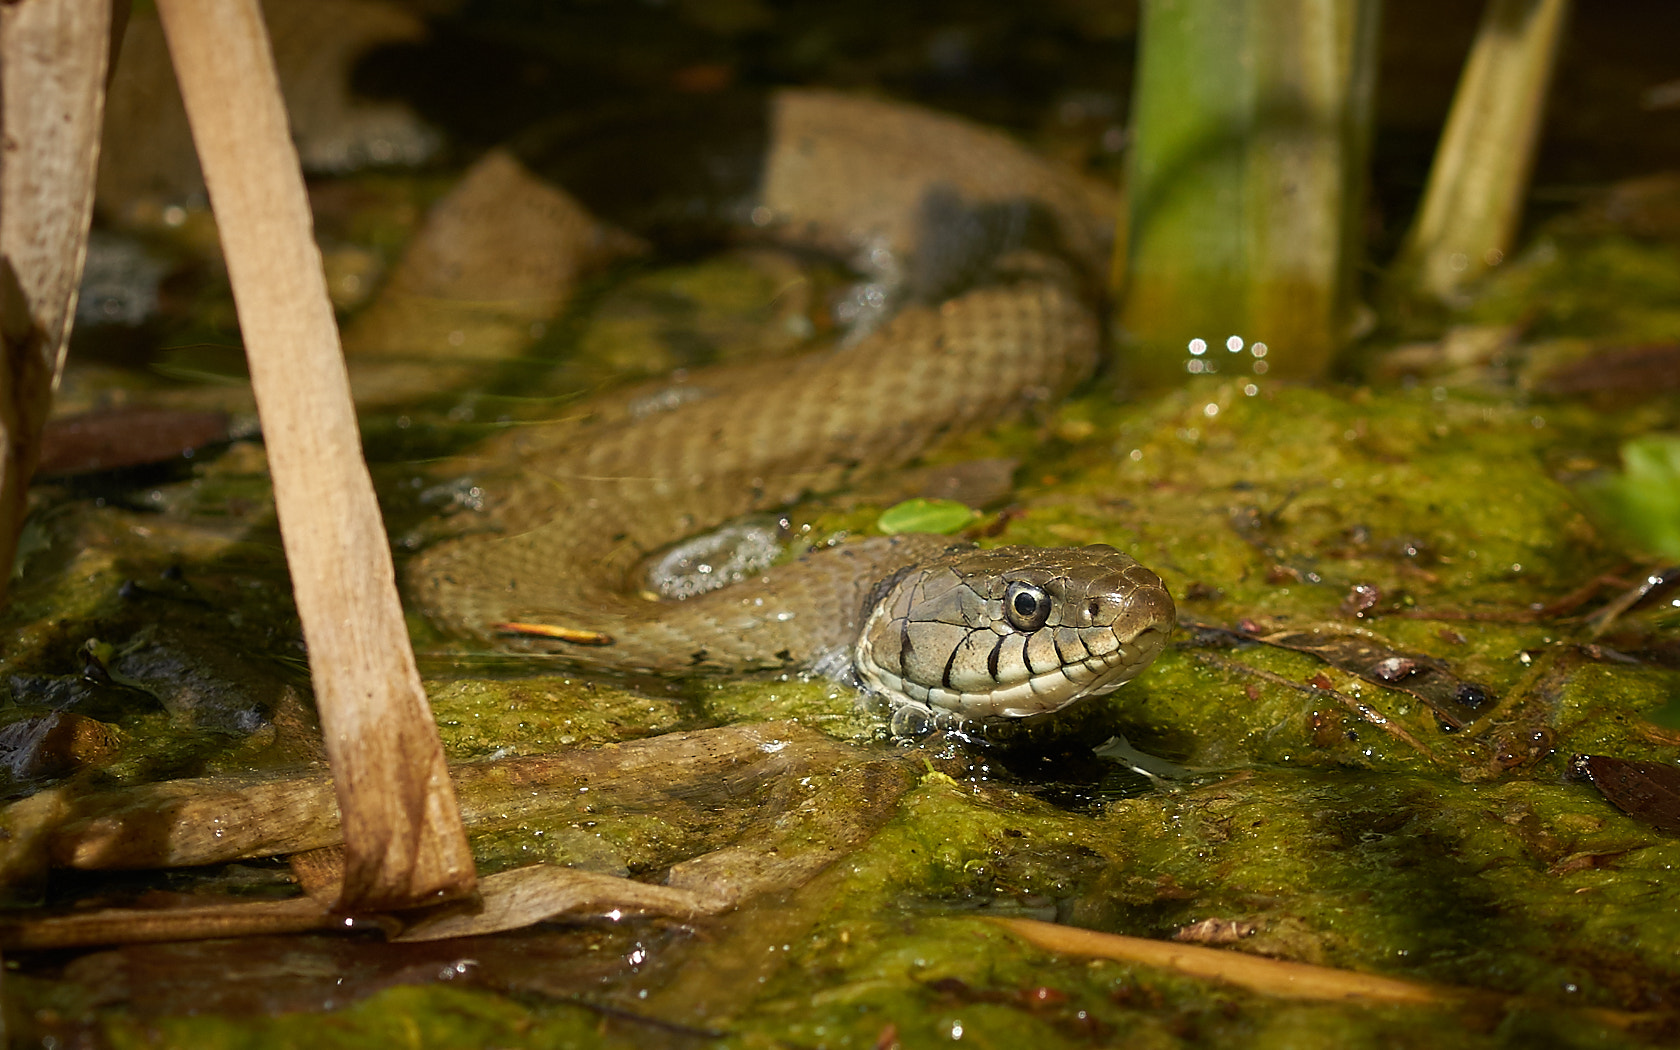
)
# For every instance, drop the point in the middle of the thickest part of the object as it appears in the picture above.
(940, 516)
(1643, 502)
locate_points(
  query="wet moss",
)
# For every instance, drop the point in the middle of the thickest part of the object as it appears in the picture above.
(615, 844)
(1614, 287)
(480, 718)
(1397, 875)
(1335, 842)
(903, 942)
(831, 707)
(1283, 496)
(1467, 859)
(424, 1017)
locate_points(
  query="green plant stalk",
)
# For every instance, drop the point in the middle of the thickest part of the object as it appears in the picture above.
(1252, 126)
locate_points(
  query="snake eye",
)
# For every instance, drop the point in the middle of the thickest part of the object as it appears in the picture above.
(1026, 606)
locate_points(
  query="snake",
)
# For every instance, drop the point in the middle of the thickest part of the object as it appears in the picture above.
(999, 254)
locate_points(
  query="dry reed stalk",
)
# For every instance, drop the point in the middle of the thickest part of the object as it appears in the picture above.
(53, 58)
(1280, 977)
(402, 829)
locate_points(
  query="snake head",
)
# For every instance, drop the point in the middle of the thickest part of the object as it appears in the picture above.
(1012, 632)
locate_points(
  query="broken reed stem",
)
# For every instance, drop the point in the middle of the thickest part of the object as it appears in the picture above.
(1284, 978)
(151, 925)
(403, 837)
(213, 821)
(1294, 980)
(1474, 198)
(208, 821)
(511, 900)
(53, 59)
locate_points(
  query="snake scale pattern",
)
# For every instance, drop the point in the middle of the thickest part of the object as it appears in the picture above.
(976, 636)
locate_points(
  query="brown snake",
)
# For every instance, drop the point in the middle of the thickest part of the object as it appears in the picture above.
(993, 635)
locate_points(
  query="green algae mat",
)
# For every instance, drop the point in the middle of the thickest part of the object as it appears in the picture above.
(1318, 813)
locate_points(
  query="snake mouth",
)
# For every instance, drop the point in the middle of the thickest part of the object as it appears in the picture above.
(1055, 689)
(1036, 695)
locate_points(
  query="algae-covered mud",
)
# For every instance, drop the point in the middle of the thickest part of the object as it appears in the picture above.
(1406, 604)
(1323, 818)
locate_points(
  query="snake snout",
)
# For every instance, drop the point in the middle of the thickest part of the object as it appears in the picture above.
(1144, 605)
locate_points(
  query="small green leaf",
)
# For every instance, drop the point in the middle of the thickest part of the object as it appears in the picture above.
(1643, 502)
(940, 516)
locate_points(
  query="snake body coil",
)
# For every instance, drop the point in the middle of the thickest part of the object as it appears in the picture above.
(982, 635)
